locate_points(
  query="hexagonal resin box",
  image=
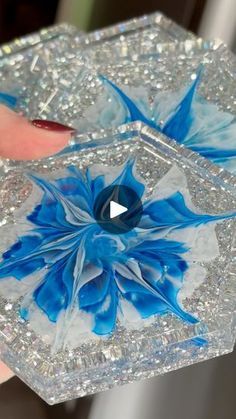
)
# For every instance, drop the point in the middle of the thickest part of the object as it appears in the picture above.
(82, 308)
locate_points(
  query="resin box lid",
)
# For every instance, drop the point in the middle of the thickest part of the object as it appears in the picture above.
(83, 309)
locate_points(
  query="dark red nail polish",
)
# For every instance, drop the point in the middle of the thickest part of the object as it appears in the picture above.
(52, 126)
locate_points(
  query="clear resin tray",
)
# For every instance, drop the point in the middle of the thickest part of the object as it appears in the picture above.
(83, 308)
(186, 92)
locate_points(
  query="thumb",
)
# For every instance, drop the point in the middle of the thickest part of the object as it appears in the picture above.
(5, 373)
(21, 139)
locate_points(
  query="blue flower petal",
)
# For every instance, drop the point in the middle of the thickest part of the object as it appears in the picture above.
(50, 213)
(21, 268)
(105, 312)
(62, 213)
(173, 212)
(15, 261)
(218, 155)
(146, 304)
(97, 185)
(76, 191)
(179, 123)
(52, 296)
(94, 291)
(160, 281)
(127, 178)
(134, 113)
(159, 246)
(21, 248)
(8, 100)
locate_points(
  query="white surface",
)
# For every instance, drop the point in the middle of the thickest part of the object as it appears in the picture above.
(219, 20)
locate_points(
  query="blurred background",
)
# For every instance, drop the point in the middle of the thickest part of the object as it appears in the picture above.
(210, 18)
(202, 391)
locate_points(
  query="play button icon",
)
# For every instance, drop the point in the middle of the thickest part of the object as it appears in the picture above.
(117, 209)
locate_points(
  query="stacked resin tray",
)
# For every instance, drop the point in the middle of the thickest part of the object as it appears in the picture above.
(81, 308)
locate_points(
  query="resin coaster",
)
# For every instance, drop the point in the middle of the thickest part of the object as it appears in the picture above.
(89, 300)
(186, 92)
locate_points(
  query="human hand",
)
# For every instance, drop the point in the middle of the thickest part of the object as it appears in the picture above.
(21, 139)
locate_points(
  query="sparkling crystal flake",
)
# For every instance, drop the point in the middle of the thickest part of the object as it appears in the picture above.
(83, 309)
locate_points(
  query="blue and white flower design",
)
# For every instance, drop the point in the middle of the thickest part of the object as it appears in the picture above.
(184, 116)
(83, 268)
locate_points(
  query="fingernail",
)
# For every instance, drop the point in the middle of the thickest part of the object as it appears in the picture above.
(52, 126)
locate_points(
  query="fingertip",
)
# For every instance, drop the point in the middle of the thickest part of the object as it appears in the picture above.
(5, 373)
(21, 140)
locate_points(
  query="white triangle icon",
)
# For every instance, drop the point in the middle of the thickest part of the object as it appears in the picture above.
(116, 209)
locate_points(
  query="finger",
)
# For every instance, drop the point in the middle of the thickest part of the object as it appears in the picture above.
(5, 373)
(21, 140)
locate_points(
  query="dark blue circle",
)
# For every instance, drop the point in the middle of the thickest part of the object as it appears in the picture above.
(122, 195)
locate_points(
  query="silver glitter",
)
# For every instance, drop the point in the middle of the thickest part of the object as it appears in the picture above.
(32, 39)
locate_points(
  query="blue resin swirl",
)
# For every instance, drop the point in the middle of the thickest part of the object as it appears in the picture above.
(88, 268)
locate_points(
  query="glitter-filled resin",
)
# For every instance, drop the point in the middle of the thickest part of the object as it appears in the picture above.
(82, 309)
(43, 35)
(144, 35)
(24, 60)
(185, 91)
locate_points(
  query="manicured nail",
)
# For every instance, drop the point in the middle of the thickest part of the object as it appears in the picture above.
(52, 126)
